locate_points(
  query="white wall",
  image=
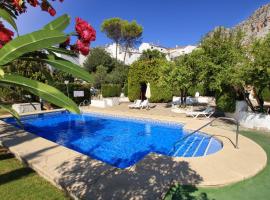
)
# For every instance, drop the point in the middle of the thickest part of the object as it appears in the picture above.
(134, 54)
(249, 119)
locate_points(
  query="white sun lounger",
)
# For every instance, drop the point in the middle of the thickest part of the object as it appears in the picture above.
(145, 104)
(136, 104)
(208, 112)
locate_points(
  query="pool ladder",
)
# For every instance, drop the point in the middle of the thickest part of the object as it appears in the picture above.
(207, 124)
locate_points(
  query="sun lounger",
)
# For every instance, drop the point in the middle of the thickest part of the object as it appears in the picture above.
(208, 112)
(136, 104)
(145, 104)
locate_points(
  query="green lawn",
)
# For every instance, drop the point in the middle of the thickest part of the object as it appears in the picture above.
(20, 182)
(257, 188)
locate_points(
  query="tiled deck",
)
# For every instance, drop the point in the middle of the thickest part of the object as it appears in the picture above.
(87, 178)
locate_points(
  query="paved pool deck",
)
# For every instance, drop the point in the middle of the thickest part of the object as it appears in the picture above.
(86, 178)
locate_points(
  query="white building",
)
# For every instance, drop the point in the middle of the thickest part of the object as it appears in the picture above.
(134, 54)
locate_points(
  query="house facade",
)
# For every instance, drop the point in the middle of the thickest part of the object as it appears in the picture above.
(133, 54)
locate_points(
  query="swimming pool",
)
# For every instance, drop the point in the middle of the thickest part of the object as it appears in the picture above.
(117, 141)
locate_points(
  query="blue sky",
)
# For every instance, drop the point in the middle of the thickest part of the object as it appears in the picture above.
(165, 22)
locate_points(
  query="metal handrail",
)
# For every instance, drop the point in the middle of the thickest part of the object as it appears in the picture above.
(207, 124)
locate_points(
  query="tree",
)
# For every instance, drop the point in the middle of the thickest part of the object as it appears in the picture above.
(113, 29)
(184, 73)
(118, 75)
(100, 76)
(257, 73)
(226, 58)
(131, 35)
(152, 54)
(99, 56)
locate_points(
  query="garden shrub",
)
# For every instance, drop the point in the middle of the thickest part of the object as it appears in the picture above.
(75, 87)
(226, 102)
(125, 90)
(266, 94)
(197, 88)
(144, 71)
(111, 90)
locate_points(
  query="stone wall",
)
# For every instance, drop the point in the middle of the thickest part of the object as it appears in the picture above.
(251, 120)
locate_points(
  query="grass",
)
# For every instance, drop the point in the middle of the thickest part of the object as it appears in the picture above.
(20, 182)
(257, 187)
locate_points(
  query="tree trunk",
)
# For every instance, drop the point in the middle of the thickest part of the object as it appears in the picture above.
(116, 48)
(126, 49)
(259, 99)
(246, 98)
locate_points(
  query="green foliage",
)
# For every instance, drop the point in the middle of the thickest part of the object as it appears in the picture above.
(98, 56)
(118, 75)
(100, 76)
(29, 43)
(42, 90)
(152, 54)
(266, 94)
(144, 71)
(113, 28)
(26, 47)
(258, 72)
(131, 35)
(125, 89)
(111, 90)
(8, 18)
(60, 23)
(224, 56)
(226, 102)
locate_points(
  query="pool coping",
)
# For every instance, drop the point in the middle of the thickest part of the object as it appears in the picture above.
(57, 163)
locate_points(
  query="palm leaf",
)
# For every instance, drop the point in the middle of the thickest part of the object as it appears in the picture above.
(12, 112)
(42, 90)
(67, 67)
(7, 17)
(60, 23)
(28, 43)
(2, 73)
(61, 51)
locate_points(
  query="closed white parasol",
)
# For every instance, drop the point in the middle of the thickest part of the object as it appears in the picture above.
(148, 91)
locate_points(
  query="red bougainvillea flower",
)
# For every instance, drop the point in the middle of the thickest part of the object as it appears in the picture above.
(51, 11)
(83, 47)
(19, 5)
(33, 3)
(5, 35)
(85, 31)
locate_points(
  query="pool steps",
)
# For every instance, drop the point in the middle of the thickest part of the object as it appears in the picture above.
(188, 149)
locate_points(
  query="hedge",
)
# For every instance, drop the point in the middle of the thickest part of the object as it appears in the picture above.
(125, 89)
(75, 87)
(266, 94)
(111, 90)
(144, 71)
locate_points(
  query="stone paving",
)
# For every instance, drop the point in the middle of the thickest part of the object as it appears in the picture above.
(86, 178)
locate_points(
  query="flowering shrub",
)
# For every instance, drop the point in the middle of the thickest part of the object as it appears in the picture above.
(85, 32)
(5, 35)
(19, 6)
(42, 46)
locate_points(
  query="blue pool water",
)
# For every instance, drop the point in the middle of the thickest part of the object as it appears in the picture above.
(119, 142)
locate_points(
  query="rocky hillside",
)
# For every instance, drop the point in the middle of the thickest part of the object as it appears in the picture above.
(257, 25)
